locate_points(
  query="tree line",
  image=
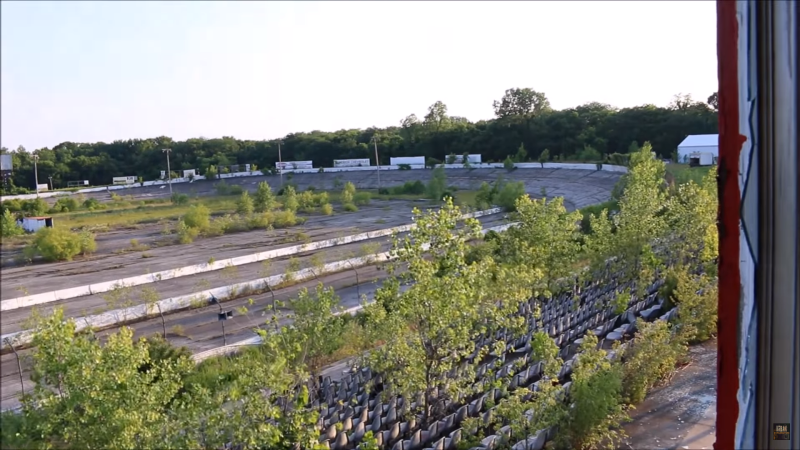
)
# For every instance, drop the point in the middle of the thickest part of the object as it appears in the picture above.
(429, 339)
(525, 126)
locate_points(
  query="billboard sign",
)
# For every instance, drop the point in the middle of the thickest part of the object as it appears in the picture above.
(290, 165)
(123, 180)
(351, 162)
(410, 160)
(6, 163)
(42, 187)
(189, 173)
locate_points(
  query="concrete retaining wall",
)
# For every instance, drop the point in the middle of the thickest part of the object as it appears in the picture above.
(81, 291)
(577, 166)
(184, 301)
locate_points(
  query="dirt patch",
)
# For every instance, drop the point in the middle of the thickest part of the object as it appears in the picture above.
(681, 414)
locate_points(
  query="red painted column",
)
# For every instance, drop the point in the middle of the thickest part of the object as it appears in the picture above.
(730, 144)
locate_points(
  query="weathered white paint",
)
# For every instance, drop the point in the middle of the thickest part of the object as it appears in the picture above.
(80, 291)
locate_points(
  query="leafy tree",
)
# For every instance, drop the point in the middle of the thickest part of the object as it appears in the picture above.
(244, 206)
(596, 392)
(544, 157)
(9, 226)
(546, 238)
(264, 199)
(290, 202)
(521, 102)
(508, 193)
(314, 335)
(713, 101)
(641, 218)
(92, 396)
(432, 326)
(650, 358)
(524, 118)
(437, 184)
(522, 154)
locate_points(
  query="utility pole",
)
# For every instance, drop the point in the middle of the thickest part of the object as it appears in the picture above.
(51, 182)
(377, 160)
(280, 162)
(36, 173)
(169, 173)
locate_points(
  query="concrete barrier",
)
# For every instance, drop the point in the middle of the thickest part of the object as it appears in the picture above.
(575, 166)
(184, 301)
(64, 294)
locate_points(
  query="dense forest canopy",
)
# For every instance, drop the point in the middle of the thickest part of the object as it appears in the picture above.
(524, 118)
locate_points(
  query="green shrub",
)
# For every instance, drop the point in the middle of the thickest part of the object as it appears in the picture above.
(509, 193)
(437, 185)
(362, 198)
(211, 173)
(290, 201)
(9, 226)
(404, 166)
(349, 207)
(508, 164)
(244, 206)
(179, 199)
(198, 217)
(92, 204)
(321, 199)
(327, 209)
(589, 154)
(35, 207)
(236, 190)
(305, 200)
(66, 204)
(264, 200)
(186, 234)
(283, 219)
(59, 244)
(13, 205)
(597, 394)
(650, 358)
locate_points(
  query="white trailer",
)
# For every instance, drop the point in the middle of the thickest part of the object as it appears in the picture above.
(410, 160)
(290, 165)
(351, 162)
(123, 180)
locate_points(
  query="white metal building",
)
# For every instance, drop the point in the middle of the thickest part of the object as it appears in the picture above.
(33, 224)
(698, 143)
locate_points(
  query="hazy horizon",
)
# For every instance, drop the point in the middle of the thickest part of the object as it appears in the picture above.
(106, 71)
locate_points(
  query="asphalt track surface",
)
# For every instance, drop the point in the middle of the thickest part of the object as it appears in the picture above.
(14, 320)
(201, 330)
(38, 278)
(578, 187)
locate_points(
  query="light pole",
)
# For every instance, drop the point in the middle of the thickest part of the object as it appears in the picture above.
(377, 161)
(36, 173)
(280, 162)
(169, 173)
(51, 182)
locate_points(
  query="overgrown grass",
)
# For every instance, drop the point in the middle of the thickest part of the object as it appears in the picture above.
(682, 173)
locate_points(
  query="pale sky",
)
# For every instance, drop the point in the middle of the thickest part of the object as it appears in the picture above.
(102, 71)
